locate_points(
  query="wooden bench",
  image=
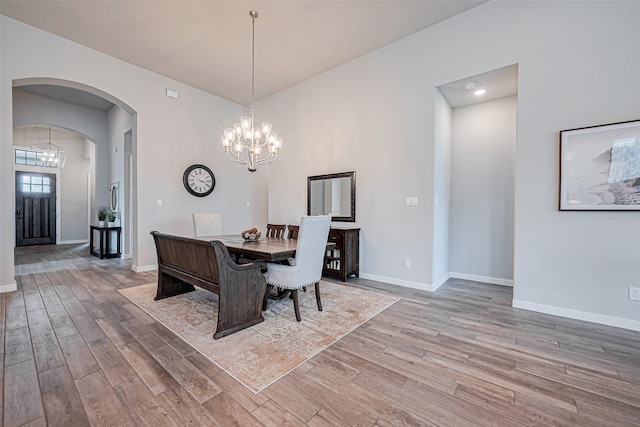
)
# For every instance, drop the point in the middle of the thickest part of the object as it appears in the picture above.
(184, 263)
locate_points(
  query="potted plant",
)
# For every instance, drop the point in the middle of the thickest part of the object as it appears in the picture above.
(111, 216)
(103, 212)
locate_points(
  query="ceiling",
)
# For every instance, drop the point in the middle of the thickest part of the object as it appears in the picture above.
(207, 44)
(499, 83)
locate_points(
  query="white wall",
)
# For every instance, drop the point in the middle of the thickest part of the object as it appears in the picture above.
(364, 117)
(482, 191)
(171, 134)
(577, 66)
(119, 122)
(73, 188)
(442, 190)
(7, 281)
(30, 109)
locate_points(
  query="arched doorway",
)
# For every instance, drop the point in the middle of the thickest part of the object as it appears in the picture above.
(100, 118)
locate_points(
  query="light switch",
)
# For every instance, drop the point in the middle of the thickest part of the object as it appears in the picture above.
(412, 201)
(159, 202)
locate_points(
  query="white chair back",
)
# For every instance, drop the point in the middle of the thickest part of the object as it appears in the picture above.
(312, 242)
(207, 224)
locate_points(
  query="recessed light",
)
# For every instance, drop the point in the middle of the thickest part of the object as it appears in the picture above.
(480, 92)
(470, 85)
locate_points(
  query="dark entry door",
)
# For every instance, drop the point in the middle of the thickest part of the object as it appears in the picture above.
(35, 208)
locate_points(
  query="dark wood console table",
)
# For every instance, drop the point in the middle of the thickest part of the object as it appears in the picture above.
(104, 241)
(344, 259)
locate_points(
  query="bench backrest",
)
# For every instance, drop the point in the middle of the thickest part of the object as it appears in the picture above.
(191, 256)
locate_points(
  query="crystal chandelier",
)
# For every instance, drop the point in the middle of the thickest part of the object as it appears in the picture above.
(49, 154)
(245, 136)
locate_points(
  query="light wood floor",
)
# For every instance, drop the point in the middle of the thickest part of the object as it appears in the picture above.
(78, 353)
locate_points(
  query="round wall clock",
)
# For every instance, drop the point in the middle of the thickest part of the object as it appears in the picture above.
(199, 180)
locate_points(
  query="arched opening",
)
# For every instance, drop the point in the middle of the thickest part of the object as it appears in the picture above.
(107, 126)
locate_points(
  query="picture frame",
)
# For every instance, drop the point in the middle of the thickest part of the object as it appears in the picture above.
(600, 168)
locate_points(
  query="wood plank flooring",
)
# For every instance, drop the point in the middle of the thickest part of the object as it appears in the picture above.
(76, 352)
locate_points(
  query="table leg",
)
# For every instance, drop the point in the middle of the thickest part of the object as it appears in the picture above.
(118, 239)
(102, 233)
(107, 246)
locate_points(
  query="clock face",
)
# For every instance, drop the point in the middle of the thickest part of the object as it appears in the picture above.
(199, 180)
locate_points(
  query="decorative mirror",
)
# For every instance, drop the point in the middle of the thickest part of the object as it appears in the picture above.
(332, 194)
(114, 190)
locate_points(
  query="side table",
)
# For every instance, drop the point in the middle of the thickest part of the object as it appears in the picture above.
(104, 241)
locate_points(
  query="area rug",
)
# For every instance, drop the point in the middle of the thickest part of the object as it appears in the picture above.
(260, 355)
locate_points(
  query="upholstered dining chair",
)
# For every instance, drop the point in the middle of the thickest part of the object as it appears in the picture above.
(207, 224)
(312, 241)
(276, 230)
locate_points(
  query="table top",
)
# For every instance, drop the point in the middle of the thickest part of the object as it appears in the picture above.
(105, 227)
(268, 249)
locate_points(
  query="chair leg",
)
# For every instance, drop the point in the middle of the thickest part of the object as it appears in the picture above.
(296, 307)
(318, 296)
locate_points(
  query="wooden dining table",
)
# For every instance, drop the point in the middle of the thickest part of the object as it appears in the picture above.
(268, 249)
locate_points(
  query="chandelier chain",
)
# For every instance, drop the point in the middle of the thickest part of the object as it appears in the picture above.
(245, 142)
(253, 58)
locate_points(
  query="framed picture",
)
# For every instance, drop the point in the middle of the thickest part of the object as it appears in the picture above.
(600, 168)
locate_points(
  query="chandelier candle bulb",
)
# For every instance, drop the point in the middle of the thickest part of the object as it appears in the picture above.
(248, 136)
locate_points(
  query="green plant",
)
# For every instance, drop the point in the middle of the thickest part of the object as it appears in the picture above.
(103, 212)
(112, 215)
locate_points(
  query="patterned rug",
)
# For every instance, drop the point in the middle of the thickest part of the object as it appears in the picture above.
(260, 355)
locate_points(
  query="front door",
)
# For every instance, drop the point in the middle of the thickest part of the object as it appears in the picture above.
(35, 208)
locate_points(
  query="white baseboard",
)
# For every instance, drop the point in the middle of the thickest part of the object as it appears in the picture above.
(8, 288)
(399, 282)
(634, 325)
(483, 279)
(440, 282)
(72, 242)
(143, 268)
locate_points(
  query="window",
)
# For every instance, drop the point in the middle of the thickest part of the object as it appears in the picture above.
(36, 184)
(31, 158)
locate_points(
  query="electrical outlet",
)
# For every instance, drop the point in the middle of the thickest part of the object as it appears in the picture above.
(634, 293)
(407, 263)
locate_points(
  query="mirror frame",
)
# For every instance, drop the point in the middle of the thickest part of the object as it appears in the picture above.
(352, 176)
